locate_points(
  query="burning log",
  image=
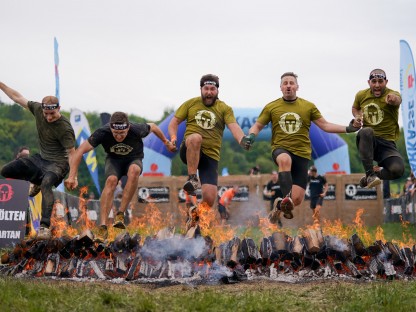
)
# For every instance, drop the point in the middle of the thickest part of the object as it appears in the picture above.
(396, 255)
(353, 269)
(52, 264)
(251, 254)
(265, 250)
(313, 240)
(279, 246)
(358, 246)
(338, 248)
(94, 266)
(408, 260)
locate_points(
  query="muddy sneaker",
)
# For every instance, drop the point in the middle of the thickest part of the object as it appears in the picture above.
(363, 182)
(101, 234)
(34, 190)
(119, 220)
(193, 218)
(287, 206)
(44, 233)
(191, 186)
(373, 180)
(274, 215)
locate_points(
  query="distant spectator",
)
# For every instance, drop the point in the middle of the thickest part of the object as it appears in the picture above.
(225, 201)
(23, 152)
(255, 170)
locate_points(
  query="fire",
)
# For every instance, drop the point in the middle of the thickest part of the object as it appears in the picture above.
(210, 225)
(151, 221)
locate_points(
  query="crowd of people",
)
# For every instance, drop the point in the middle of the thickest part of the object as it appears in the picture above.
(375, 117)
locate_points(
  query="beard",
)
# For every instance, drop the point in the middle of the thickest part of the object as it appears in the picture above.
(209, 100)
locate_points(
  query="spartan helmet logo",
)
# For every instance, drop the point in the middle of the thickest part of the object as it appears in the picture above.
(290, 123)
(205, 119)
(373, 115)
(6, 192)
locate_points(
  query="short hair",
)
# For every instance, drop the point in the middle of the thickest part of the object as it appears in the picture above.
(119, 117)
(290, 74)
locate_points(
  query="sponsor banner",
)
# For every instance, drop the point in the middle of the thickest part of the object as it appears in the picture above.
(408, 93)
(330, 194)
(13, 209)
(355, 192)
(240, 196)
(182, 195)
(153, 194)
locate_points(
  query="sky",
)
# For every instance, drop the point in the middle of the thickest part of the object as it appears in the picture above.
(145, 56)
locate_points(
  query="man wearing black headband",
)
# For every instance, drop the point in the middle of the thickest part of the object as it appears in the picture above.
(206, 117)
(291, 119)
(377, 109)
(122, 141)
(57, 147)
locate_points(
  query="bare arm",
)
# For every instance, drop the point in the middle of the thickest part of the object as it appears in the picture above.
(75, 157)
(14, 95)
(329, 127)
(256, 128)
(173, 128)
(156, 130)
(236, 131)
(325, 190)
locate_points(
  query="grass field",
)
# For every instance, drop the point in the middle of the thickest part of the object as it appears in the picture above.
(47, 294)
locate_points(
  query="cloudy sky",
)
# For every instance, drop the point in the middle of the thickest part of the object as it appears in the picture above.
(143, 56)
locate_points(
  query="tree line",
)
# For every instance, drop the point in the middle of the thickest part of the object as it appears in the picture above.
(18, 129)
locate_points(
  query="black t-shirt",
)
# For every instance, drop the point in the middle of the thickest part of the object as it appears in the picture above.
(131, 147)
(271, 186)
(316, 185)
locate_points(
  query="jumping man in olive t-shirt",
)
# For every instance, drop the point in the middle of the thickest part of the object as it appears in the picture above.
(57, 146)
(206, 117)
(377, 110)
(291, 119)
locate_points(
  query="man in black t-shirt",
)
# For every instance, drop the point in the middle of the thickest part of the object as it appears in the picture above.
(57, 146)
(122, 141)
(272, 189)
(318, 187)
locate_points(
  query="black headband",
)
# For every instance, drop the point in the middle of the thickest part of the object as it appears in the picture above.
(209, 82)
(50, 106)
(378, 75)
(119, 126)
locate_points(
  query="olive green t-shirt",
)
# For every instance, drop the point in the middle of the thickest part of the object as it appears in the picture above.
(377, 114)
(208, 121)
(291, 122)
(55, 138)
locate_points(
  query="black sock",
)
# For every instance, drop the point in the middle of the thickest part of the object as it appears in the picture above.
(285, 181)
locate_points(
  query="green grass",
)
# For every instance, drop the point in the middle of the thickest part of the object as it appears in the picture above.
(49, 295)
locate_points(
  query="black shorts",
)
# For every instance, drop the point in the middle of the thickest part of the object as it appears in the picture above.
(120, 166)
(299, 169)
(34, 168)
(223, 212)
(383, 149)
(315, 201)
(207, 167)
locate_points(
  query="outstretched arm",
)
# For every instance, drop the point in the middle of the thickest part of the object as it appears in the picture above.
(75, 157)
(173, 129)
(14, 95)
(236, 131)
(156, 130)
(334, 128)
